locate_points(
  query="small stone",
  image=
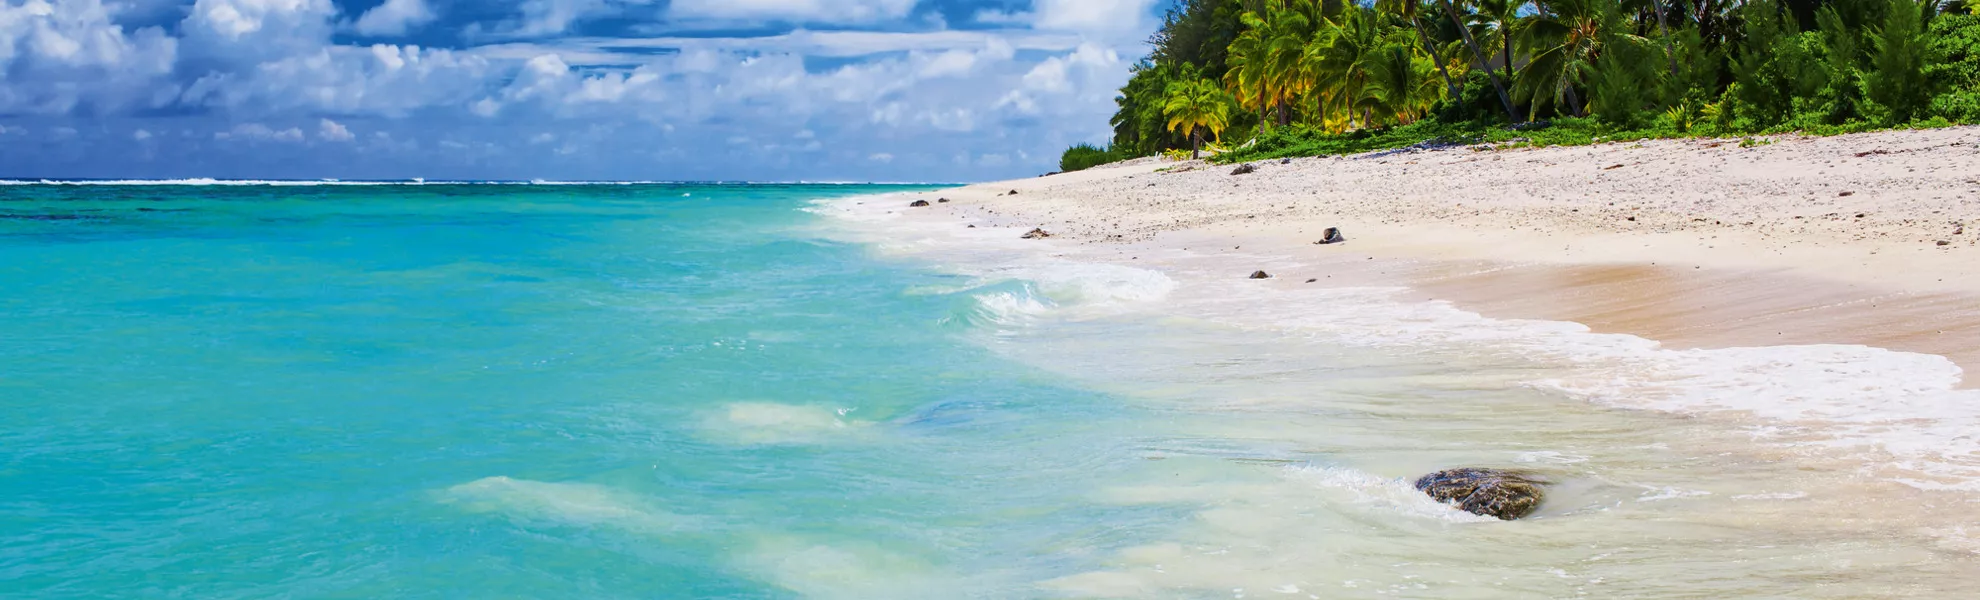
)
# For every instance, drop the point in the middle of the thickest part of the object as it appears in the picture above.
(1331, 236)
(941, 200)
(1036, 234)
(1312, 281)
(1244, 169)
(1845, 194)
(918, 204)
(1013, 193)
(1260, 275)
(1944, 243)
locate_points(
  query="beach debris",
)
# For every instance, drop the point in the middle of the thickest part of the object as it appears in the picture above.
(1313, 281)
(972, 227)
(1260, 275)
(1036, 234)
(1507, 495)
(918, 204)
(1612, 167)
(1245, 169)
(1331, 236)
(1845, 194)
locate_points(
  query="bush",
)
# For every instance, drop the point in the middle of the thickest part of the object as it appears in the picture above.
(1087, 156)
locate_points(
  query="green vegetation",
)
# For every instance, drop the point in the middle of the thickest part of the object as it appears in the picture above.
(1086, 156)
(1276, 78)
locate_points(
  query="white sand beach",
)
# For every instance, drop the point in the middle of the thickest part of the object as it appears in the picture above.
(1869, 239)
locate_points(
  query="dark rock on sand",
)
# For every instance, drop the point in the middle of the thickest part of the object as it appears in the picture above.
(1287, 161)
(1260, 275)
(1036, 234)
(1245, 169)
(941, 200)
(1013, 193)
(918, 204)
(1508, 495)
(1332, 236)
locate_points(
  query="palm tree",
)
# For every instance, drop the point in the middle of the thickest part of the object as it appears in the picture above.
(1249, 66)
(1196, 105)
(1336, 59)
(1451, 9)
(1564, 40)
(1496, 20)
(1410, 10)
(1400, 88)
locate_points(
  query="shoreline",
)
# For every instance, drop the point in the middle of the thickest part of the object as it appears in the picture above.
(1803, 241)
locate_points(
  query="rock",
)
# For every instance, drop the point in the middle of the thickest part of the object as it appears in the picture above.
(1508, 495)
(941, 200)
(918, 204)
(1036, 234)
(972, 227)
(1332, 236)
(1845, 194)
(1244, 169)
(1944, 243)
(1312, 281)
(1260, 275)
(1013, 193)
(1286, 161)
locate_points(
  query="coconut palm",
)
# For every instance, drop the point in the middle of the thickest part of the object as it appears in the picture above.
(1336, 61)
(1400, 88)
(1563, 39)
(1195, 106)
(1450, 8)
(1412, 12)
(1249, 62)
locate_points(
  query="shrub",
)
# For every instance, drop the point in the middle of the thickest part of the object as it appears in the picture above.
(1086, 156)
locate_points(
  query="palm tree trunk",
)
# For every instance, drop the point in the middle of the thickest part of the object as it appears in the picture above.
(1431, 50)
(1480, 57)
(1195, 143)
(1505, 45)
(1670, 52)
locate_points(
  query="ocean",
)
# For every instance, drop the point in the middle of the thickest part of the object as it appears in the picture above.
(783, 391)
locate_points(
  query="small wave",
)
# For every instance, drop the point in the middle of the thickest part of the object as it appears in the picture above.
(1387, 493)
(773, 423)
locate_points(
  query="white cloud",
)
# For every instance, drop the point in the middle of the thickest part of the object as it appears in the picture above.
(332, 131)
(379, 80)
(395, 17)
(881, 157)
(1111, 19)
(139, 135)
(256, 132)
(792, 11)
(249, 31)
(56, 57)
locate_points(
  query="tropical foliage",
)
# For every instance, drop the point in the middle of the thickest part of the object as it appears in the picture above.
(1324, 75)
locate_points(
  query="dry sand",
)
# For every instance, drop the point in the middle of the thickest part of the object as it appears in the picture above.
(1869, 239)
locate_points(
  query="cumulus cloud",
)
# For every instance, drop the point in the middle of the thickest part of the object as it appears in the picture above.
(395, 17)
(332, 131)
(860, 94)
(70, 56)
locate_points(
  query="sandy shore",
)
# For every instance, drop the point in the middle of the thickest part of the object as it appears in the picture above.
(1870, 239)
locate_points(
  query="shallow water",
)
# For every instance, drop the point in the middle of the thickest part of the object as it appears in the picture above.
(711, 391)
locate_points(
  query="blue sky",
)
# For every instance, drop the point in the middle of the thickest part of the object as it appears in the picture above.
(847, 90)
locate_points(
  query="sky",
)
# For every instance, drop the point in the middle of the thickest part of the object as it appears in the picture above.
(706, 90)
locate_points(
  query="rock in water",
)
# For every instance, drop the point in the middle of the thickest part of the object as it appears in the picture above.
(918, 204)
(1260, 275)
(1507, 495)
(1333, 236)
(1244, 169)
(1036, 234)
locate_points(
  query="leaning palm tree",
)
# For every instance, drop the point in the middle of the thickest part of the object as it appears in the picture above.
(1337, 57)
(1195, 106)
(1412, 11)
(1450, 9)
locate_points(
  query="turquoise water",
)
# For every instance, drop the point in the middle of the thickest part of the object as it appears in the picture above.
(506, 391)
(679, 391)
